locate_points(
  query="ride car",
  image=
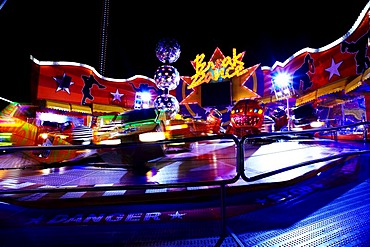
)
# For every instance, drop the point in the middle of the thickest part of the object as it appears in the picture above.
(305, 117)
(181, 127)
(151, 125)
(246, 118)
(130, 130)
(33, 125)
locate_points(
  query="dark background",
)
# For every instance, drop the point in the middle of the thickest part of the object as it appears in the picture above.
(69, 30)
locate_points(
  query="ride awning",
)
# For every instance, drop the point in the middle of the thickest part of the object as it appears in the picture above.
(81, 108)
(311, 96)
(357, 82)
(345, 85)
(88, 109)
(330, 88)
(57, 105)
(268, 99)
(96, 108)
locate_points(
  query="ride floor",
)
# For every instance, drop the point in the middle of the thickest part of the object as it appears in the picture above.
(321, 204)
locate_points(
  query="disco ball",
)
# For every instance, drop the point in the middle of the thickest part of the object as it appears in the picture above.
(167, 103)
(167, 50)
(167, 77)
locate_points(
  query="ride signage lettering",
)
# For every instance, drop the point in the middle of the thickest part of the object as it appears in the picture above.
(225, 68)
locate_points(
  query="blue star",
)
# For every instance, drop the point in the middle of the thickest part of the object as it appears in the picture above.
(117, 95)
(333, 69)
(229, 108)
(64, 82)
(207, 109)
(177, 215)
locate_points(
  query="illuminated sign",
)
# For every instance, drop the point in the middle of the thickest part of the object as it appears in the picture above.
(225, 68)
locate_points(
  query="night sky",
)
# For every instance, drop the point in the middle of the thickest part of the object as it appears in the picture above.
(69, 30)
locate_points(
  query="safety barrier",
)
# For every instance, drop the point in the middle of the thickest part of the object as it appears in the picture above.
(239, 143)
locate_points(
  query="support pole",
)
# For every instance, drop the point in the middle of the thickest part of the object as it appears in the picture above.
(288, 112)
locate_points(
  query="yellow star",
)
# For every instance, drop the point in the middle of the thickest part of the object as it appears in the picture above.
(194, 97)
(239, 91)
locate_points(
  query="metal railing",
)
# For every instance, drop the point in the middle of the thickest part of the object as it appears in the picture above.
(240, 144)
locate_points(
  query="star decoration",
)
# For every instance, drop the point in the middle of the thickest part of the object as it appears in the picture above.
(117, 95)
(333, 69)
(239, 91)
(195, 96)
(197, 116)
(208, 109)
(238, 76)
(177, 215)
(229, 108)
(64, 82)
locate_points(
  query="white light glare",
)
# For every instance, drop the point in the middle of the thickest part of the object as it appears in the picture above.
(282, 80)
(146, 97)
(152, 136)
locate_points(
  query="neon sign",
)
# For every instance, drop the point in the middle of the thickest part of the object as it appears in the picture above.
(225, 68)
